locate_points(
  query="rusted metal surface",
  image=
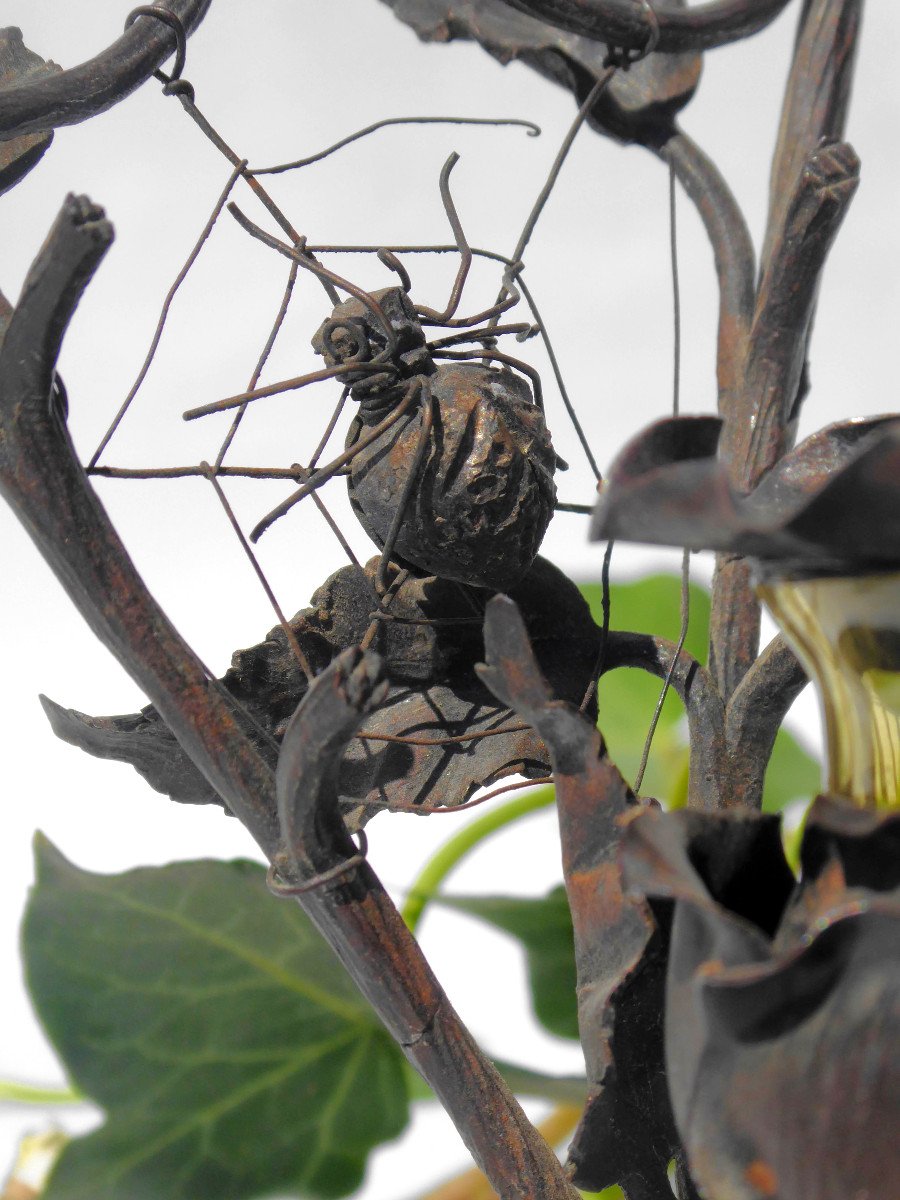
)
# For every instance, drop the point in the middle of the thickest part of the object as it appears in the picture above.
(429, 641)
(472, 461)
(755, 713)
(817, 98)
(19, 65)
(627, 1134)
(812, 182)
(782, 1017)
(96, 85)
(484, 493)
(359, 919)
(833, 503)
(639, 105)
(760, 427)
(49, 491)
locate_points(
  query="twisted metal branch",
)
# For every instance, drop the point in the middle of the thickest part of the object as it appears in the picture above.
(96, 85)
(624, 24)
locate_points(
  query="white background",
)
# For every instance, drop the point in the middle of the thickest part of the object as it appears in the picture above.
(280, 80)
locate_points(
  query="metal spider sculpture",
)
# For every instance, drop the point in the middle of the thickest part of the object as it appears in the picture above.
(449, 461)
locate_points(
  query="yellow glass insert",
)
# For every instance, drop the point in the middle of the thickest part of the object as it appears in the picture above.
(846, 632)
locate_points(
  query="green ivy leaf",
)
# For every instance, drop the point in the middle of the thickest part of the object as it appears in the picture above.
(544, 927)
(233, 1055)
(627, 698)
(792, 774)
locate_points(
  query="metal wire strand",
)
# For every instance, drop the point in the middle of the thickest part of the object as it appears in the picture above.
(429, 315)
(461, 739)
(261, 361)
(409, 483)
(657, 712)
(686, 557)
(457, 808)
(561, 155)
(322, 476)
(164, 313)
(560, 383)
(532, 130)
(625, 57)
(278, 887)
(393, 263)
(260, 574)
(176, 25)
(604, 628)
(311, 264)
(276, 389)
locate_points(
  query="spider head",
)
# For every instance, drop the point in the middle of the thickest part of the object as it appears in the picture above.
(357, 331)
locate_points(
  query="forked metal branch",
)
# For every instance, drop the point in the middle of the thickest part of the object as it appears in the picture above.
(43, 481)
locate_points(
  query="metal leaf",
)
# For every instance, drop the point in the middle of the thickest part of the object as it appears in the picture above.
(18, 65)
(639, 105)
(434, 693)
(832, 503)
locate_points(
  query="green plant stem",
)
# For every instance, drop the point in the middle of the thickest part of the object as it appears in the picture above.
(25, 1093)
(440, 865)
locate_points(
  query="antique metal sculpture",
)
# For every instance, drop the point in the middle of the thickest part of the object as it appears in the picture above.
(716, 994)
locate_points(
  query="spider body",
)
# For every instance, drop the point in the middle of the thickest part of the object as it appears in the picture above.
(460, 485)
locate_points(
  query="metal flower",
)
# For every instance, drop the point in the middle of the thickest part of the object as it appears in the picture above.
(782, 1019)
(830, 505)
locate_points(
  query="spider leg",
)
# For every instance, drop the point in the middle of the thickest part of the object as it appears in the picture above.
(429, 315)
(325, 473)
(283, 385)
(523, 331)
(393, 263)
(510, 298)
(304, 260)
(409, 483)
(524, 367)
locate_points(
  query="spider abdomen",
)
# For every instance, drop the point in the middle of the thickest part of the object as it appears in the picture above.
(483, 494)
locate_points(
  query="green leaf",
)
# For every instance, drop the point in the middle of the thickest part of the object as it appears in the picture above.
(627, 697)
(544, 927)
(232, 1053)
(792, 774)
(653, 605)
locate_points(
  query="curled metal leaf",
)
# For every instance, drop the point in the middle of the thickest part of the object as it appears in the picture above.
(626, 1134)
(639, 105)
(781, 1003)
(20, 65)
(831, 503)
(400, 758)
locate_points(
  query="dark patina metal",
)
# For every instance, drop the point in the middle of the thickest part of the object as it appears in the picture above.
(782, 1021)
(483, 491)
(832, 504)
(19, 65)
(627, 1134)
(38, 105)
(430, 640)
